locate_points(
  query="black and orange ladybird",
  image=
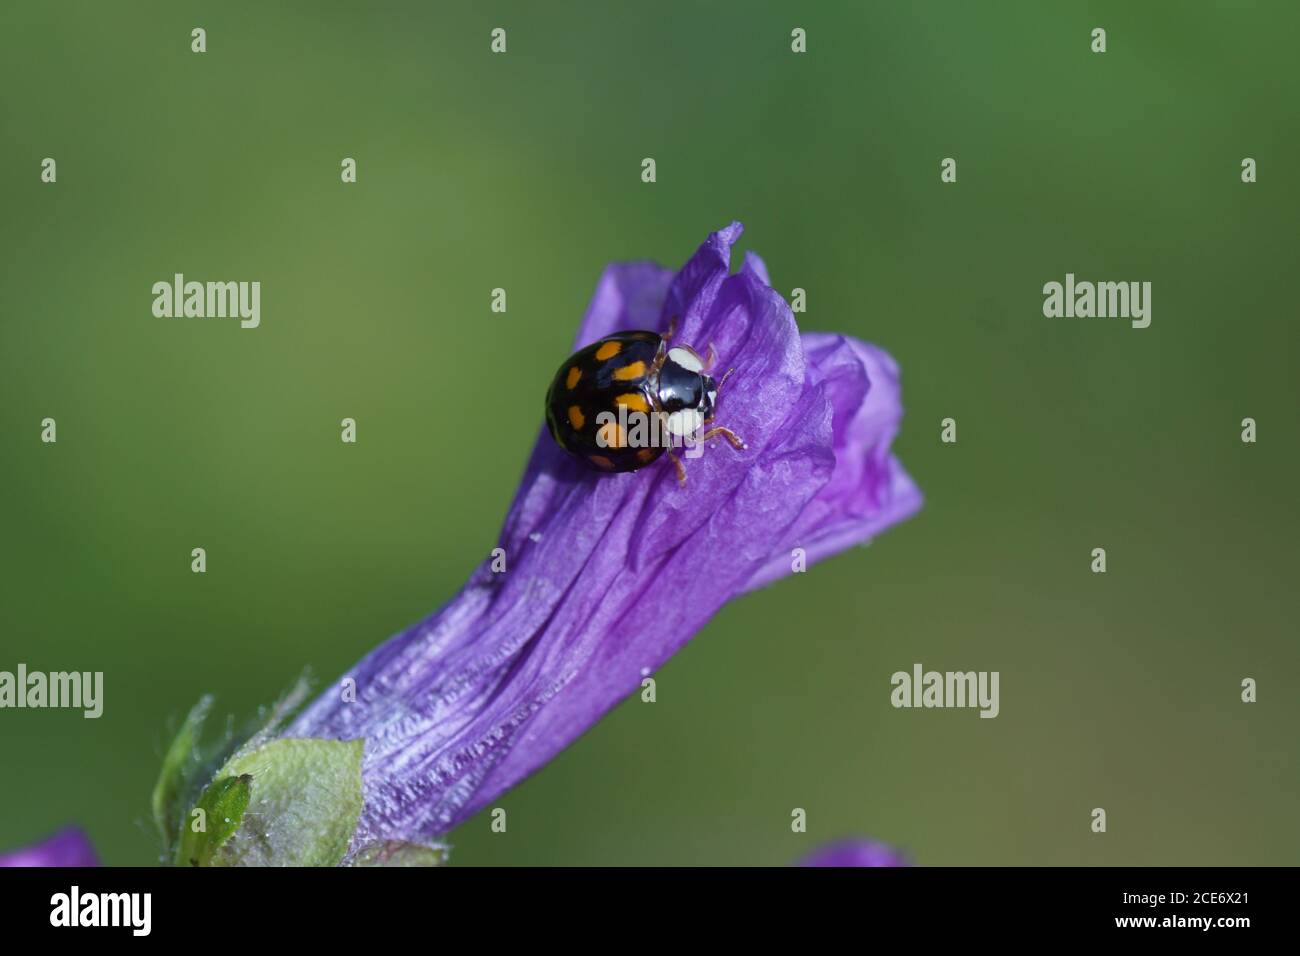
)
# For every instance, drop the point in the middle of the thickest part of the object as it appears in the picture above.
(624, 401)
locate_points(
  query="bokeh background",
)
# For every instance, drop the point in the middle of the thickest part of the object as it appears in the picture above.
(523, 171)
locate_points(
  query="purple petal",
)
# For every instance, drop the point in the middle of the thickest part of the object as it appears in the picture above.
(629, 295)
(609, 575)
(68, 847)
(855, 853)
(756, 266)
(870, 491)
(693, 289)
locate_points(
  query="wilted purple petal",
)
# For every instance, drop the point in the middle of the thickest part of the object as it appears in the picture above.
(68, 847)
(609, 575)
(869, 491)
(855, 853)
(629, 295)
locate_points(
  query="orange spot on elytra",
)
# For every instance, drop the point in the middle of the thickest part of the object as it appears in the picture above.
(600, 461)
(576, 418)
(633, 401)
(608, 350)
(645, 455)
(575, 373)
(629, 372)
(611, 435)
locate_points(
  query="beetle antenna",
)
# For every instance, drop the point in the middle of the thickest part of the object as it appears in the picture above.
(722, 381)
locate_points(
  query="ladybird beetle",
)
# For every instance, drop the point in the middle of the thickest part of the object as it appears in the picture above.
(624, 401)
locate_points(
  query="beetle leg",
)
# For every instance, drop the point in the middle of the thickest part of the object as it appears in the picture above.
(672, 328)
(736, 441)
(681, 469)
(711, 358)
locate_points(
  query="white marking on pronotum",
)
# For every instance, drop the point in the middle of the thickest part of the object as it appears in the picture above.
(685, 421)
(686, 358)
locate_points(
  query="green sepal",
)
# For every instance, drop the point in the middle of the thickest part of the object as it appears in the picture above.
(223, 805)
(176, 777)
(397, 853)
(191, 762)
(306, 800)
(272, 719)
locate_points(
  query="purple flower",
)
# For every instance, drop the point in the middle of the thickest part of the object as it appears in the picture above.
(68, 847)
(855, 853)
(609, 575)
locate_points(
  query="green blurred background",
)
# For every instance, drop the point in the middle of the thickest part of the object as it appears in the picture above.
(523, 171)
